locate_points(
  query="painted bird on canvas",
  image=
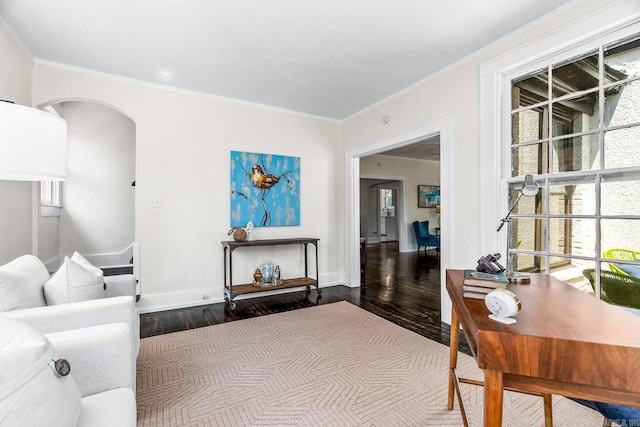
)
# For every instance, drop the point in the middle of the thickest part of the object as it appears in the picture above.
(264, 181)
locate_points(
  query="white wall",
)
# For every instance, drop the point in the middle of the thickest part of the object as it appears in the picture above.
(454, 94)
(183, 144)
(16, 198)
(97, 198)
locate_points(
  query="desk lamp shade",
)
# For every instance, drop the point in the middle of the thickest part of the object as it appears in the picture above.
(530, 187)
(33, 144)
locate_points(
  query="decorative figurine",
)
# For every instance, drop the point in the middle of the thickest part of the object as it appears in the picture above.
(249, 230)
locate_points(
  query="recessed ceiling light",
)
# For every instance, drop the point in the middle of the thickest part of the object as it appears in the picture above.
(165, 75)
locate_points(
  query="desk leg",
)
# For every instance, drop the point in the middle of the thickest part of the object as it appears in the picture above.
(548, 410)
(454, 337)
(493, 395)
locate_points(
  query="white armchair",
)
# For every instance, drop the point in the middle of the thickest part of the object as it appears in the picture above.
(98, 392)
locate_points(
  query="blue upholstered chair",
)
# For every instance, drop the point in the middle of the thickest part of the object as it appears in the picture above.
(424, 238)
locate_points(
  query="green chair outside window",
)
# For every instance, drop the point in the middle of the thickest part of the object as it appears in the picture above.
(623, 255)
(618, 289)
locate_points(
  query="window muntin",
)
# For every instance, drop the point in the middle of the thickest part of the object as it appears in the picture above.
(586, 158)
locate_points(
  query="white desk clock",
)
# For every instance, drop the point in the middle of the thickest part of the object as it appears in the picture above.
(503, 305)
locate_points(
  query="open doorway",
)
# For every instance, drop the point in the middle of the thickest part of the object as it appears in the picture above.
(380, 210)
(358, 154)
(389, 183)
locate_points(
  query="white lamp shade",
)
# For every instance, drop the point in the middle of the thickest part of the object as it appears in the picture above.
(33, 144)
(530, 187)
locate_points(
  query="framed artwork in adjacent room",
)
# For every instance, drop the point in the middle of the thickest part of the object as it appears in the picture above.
(428, 196)
(265, 189)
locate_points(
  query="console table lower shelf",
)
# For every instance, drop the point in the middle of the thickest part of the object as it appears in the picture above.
(287, 283)
(231, 290)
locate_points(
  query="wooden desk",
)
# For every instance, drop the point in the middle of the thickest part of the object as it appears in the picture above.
(565, 342)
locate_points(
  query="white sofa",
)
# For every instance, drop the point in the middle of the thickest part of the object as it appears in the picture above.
(98, 392)
(23, 296)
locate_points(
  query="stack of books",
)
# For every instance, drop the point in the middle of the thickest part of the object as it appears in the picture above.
(477, 285)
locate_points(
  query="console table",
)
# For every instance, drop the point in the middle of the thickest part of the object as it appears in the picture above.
(231, 290)
(565, 342)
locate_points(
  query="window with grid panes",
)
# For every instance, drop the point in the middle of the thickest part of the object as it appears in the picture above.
(575, 126)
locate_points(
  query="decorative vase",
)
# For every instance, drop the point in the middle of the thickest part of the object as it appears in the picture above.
(239, 234)
(277, 280)
(266, 267)
(257, 277)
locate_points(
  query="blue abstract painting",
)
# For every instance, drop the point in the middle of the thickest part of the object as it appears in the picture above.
(265, 189)
(428, 196)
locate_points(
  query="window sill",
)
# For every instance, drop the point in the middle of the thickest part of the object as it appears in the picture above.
(49, 210)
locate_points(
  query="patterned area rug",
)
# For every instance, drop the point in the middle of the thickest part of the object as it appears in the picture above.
(330, 365)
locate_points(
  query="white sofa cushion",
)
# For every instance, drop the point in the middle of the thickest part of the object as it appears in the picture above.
(72, 283)
(86, 264)
(31, 392)
(118, 285)
(21, 283)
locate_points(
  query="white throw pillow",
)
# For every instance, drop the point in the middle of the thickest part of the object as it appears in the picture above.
(72, 283)
(21, 283)
(86, 264)
(31, 392)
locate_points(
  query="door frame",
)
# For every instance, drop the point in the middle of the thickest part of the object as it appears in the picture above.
(352, 162)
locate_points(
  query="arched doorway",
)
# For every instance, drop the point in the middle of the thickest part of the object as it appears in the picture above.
(97, 217)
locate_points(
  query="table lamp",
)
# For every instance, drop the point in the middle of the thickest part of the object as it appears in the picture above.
(529, 189)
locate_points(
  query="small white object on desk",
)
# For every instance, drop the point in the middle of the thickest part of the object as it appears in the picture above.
(503, 304)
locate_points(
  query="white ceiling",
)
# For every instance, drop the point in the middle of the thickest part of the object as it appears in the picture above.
(329, 58)
(427, 149)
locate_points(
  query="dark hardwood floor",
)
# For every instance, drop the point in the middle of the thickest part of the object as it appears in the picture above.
(403, 288)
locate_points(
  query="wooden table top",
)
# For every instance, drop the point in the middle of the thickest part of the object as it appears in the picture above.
(270, 242)
(562, 334)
